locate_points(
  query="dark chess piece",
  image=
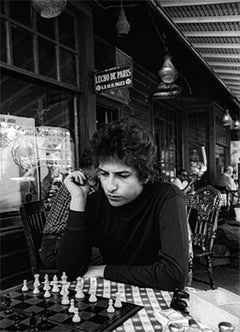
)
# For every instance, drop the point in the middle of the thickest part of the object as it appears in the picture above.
(44, 324)
(8, 307)
(17, 326)
(33, 323)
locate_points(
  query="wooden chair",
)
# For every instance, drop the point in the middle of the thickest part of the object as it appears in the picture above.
(206, 204)
(33, 217)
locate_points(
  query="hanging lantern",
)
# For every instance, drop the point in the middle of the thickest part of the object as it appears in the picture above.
(49, 8)
(236, 124)
(122, 26)
(227, 120)
(168, 72)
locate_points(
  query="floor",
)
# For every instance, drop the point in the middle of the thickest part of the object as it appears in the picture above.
(227, 276)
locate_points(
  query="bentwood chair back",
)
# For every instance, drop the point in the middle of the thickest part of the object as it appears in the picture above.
(33, 217)
(206, 204)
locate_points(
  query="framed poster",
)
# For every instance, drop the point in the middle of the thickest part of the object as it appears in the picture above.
(19, 172)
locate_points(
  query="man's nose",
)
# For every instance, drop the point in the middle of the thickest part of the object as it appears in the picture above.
(112, 184)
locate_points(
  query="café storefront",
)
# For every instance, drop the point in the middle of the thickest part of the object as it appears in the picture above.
(55, 93)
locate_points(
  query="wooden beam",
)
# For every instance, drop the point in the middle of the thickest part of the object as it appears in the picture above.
(217, 46)
(206, 19)
(226, 71)
(218, 55)
(180, 3)
(211, 33)
(224, 63)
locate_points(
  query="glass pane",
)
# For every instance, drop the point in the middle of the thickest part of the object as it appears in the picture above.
(20, 11)
(22, 48)
(3, 55)
(66, 30)
(25, 106)
(68, 67)
(47, 58)
(2, 6)
(46, 26)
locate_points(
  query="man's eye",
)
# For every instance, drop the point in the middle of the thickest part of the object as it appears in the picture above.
(124, 176)
(103, 173)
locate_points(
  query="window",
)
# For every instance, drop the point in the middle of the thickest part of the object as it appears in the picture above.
(166, 140)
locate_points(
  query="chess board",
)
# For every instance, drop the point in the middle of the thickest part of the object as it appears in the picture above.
(94, 316)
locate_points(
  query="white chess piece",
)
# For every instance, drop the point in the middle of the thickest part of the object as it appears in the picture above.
(55, 288)
(47, 294)
(93, 297)
(72, 307)
(46, 285)
(118, 303)
(110, 308)
(36, 280)
(36, 287)
(65, 299)
(79, 293)
(76, 318)
(24, 287)
(79, 282)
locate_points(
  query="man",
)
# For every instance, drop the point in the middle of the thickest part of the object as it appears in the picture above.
(181, 181)
(226, 180)
(57, 217)
(139, 227)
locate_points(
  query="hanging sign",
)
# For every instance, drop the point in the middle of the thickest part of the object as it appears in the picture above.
(113, 78)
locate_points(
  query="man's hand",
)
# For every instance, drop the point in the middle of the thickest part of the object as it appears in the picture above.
(95, 271)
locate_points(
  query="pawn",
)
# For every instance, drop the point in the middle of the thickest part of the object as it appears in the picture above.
(110, 308)
(93, 297)
(118, 303)
(76, 318)
(25, 287)
(72, 307)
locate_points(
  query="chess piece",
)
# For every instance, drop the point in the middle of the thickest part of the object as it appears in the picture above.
(44, 324)
(24, 287)
(65, 299)
(118, 303)
(32, 323)
(93, 297)
(72, 307)
(55, 288)
(17, 326)
(79, 293)
(36, 280)
(36, 289)
(76, 318)
(8, 308)
(47, 294)
(110, 308)
(79, 282)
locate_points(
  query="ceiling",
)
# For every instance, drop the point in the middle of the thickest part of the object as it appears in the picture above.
(212, 30)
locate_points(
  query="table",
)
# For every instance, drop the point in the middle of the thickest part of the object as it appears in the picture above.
(143, 320)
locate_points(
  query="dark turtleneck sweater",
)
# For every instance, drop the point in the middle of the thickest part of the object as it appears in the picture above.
(143, 243)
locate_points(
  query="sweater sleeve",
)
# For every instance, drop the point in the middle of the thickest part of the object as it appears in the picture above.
(74, 251)
(170, 269)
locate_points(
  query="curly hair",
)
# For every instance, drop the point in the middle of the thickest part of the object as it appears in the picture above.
(126, 141)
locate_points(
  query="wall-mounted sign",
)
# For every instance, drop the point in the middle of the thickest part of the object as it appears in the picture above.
(113, 78)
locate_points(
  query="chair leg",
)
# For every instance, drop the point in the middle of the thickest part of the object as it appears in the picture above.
(209, 271)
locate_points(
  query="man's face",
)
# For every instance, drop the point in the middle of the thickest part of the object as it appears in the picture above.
(183, 176)
(119, 182)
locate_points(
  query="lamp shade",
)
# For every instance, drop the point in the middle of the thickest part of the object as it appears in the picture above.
(122, 26)
(166, 91)
(168, 72)
(227, 120)
(49, 8)
(236, 124)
